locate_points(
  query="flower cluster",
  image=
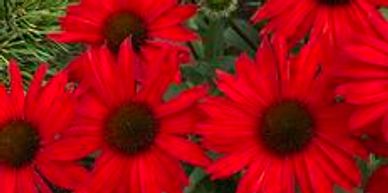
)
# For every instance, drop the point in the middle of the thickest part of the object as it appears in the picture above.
(286, 121)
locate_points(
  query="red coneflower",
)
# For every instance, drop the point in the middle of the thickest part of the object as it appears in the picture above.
(332, 19)
(29, 125)
(365, 76)
(112, 21)
(142, 137)
(278, 121)
(377, 183)
(151, 24)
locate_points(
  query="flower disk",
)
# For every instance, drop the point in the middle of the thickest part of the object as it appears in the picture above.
(287, 128)
(334, 2)
(131, 128)
(122, 25)
(19, 143)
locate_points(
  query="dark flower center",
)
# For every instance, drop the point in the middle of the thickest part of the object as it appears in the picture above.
(19, 143)
(218, 5)
(120, 26)
(334, 2)
(287, 128)
(131, 128)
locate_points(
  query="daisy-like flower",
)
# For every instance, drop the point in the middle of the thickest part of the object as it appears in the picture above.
(278, 124)
(112, 21)
(151, 24)
(141, 136)
(377, 183)
(364, 74)
(328, 20)
(29, 126)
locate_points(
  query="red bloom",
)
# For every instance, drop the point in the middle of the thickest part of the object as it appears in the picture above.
(30, 124)
(377, 183)
(278, 121)
(151, 24)
(141, 136)
(112, 21)
(365, 76)
(335, 19)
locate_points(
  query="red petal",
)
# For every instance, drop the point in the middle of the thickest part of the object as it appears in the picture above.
(36, 84)
(26, 181)
(148, 180)
(364, 116)
(182, 150)
(8, 180)
(64, 174)
(232, 163)
(174, 16)
(302, 174)
(181, 123)
(75, 23)
(164, 68)
(43, 187)
(176, 33)
(343, 163)
(17, 91)
(244, 96)
(133, 173)
(368, 53)
(107, 174)
(319, 182)
(73, 37)
(377, 183)
(273, 175)
(182, 102)
(127, 58)
(72, 148)
(252, 180)
(378, 148)
(371, 92)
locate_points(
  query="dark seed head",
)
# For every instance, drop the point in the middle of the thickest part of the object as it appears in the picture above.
(334, 2)
(19, 143)
(131, 128)
(287, 128)
(120, 26)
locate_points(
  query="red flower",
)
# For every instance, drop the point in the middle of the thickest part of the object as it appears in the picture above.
(30, 124)
(142, 137)
(335, 19)
(112, 21)
(377, 183)
(278, 121)
(151, 24)
(365, 77)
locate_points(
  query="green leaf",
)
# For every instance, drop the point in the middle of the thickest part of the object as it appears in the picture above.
(199, 182)
(242, 36)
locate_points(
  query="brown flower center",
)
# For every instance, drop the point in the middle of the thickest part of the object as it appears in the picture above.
(334, 2)
(287, 128)
(19, 143)
(120, 26)
(131, 128)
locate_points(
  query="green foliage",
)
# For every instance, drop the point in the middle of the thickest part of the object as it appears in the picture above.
(23, 28)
